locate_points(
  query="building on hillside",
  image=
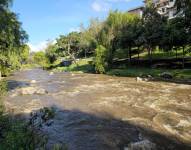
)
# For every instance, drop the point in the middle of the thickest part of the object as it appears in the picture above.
(164, 7)
(137, 11)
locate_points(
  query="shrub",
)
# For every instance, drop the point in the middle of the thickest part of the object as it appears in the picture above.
(101, 64)
(3, 90)
(16, 134)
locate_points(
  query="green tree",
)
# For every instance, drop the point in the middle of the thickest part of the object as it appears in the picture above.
(130, 33)
(109, 35)
(153, 28)
(69, 45)
(40, 58)
(101, 59)
(184, 11)
(89, 36)
(25, 52)
(51, 52)
(12, 36)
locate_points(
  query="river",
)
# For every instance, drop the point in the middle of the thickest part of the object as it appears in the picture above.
(99, 112)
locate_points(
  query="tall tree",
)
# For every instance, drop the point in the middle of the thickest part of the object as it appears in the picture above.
(89, 36)
(109, 35)
(130, 32)
(184, 11)
(12, 36)
(153, 24)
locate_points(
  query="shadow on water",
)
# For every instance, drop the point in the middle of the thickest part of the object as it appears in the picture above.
(79, 130)
(13, 84)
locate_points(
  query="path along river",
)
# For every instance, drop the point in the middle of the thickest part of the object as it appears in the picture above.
(98, 112)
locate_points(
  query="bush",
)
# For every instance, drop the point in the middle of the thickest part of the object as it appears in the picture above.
(40, 59)
(16, 134)
(101, 64)
(9, 63)
(3, 90)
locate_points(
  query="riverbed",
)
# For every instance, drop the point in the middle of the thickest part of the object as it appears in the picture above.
(99, 112)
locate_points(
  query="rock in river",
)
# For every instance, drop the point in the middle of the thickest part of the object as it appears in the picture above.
(33, 81)
(142, 145)
(31, 91)
(166, 75)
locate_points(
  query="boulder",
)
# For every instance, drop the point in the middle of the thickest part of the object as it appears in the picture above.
(41, 91)
(66, 63)
(141, 145)
(149, 76)
(28, 91)
(32, 90)
(33, 81)
(139, 79)
(166, 75)
(49, 122)
(51, 73)
(43, 117)
(36, 120)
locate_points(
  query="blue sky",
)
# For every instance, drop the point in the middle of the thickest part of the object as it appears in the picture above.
(47, 19)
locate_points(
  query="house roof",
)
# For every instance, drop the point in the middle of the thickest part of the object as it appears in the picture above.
(136, 8)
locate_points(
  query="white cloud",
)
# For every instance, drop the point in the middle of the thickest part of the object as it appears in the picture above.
(105, 5)
(118, 0)
(100, 6)
(40, 46)
(77, 29)
(96, 6)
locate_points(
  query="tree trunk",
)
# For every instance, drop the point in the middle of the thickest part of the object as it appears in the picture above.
(138, 55)
(150, 55)
(110, 60)
(85, 53)
(176, 53)
(183, 60)
(71, 55)
(0, 75)
(130, 55)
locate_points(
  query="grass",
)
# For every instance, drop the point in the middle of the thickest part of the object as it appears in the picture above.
(178, 74)
(86, 66)
(14, 133)
(164, 55)
(83, 65)
(3, 90)
(157, 54)
(28, 66)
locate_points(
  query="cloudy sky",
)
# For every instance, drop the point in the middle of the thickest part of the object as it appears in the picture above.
(47, 19)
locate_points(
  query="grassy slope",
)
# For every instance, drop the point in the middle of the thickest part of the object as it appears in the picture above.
(138, 71)
(135, 72)
(157, 54)
(83, 65)
(160, 54)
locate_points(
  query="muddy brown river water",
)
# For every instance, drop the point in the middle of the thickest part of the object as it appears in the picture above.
(98, 112)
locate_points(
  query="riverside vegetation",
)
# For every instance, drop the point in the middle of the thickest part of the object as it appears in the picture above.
(127, 45)
(14, 133)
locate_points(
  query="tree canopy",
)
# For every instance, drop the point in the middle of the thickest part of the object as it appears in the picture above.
(12, 35)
